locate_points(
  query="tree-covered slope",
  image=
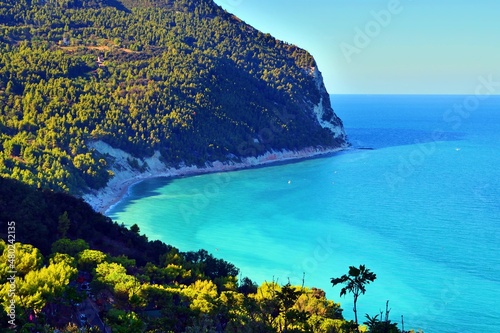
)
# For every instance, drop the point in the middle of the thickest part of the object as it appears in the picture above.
(183, 77)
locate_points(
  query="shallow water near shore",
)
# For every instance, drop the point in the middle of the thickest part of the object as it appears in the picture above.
(421, 210)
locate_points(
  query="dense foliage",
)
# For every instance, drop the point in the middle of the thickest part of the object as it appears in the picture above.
(170, 292)
(179, 76)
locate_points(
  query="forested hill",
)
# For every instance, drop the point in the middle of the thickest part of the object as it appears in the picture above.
(182, 77)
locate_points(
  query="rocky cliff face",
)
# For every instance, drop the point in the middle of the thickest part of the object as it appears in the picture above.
(323, 110)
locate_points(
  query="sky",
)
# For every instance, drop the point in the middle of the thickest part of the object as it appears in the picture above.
(388, 46)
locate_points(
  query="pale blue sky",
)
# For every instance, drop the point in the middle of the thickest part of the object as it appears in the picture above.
(423, 47)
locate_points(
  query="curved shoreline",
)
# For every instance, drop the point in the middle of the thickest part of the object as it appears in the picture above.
(125, 176)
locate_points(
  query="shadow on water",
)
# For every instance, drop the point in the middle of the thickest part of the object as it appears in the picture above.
(145, 188)
(369, 138)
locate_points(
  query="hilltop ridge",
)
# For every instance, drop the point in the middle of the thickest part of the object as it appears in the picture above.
(181, 80)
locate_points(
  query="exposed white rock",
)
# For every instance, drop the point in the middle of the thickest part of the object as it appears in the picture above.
(319, 111)
(125, 175)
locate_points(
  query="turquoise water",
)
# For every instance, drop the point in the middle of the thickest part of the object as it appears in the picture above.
(421, 210)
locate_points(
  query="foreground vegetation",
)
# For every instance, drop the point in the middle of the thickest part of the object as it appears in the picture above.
(139, 285)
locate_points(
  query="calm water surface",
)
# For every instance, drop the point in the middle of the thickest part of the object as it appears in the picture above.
(421, 210)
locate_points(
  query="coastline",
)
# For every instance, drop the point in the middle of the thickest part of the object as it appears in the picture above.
(125, 176)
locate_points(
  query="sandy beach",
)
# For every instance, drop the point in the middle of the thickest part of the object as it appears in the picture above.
(125, 175)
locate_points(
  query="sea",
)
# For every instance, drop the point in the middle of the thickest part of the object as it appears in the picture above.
(416, 199)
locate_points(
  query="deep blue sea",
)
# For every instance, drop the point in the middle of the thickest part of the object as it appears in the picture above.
(421, 210)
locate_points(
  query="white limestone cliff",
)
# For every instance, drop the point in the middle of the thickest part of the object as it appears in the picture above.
(334, 124)
(125, 175)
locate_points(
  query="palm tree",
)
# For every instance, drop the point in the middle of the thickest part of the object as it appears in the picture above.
(355, 282)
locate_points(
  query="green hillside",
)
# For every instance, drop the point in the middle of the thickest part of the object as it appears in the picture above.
(184, 78)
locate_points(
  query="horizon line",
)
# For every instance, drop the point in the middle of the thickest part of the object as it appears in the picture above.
(406, 94)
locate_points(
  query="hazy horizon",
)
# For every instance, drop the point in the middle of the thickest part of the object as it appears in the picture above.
(387, 47)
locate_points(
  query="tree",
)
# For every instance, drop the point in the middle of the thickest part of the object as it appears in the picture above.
(89, 259)
(71, 247)
(122, 322)
(27, 258)
(64, 224)
(355, 282)
(277, 307)
(39, 285)
(292, 317)
(135, 229)
(202, 294)
(376, 325)
(247, 286)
